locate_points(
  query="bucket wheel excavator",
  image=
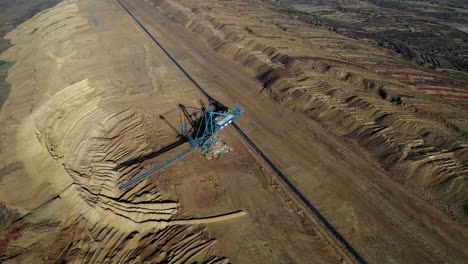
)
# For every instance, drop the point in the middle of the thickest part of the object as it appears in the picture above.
(201, 136)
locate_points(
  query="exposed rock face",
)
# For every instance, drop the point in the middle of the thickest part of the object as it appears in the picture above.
(418, 139)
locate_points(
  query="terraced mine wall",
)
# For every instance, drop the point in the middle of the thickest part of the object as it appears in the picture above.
(418, 139)
(62, 136)
(82, 117)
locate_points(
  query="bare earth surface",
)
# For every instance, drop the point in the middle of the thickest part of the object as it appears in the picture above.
(377, 143)
(427, 32)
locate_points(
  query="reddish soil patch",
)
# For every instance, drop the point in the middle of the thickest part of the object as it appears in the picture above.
(423, 82)
(444, 90)
(451, 96)
(421, 74)
(13, 233)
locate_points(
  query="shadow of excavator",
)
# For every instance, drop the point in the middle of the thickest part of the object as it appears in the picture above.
(189, 117)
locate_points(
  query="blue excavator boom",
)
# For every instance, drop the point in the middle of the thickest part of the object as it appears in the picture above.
(204, 139)
(166, 163)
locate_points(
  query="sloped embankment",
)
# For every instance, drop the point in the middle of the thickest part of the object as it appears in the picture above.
(68, 135)
(419, 139)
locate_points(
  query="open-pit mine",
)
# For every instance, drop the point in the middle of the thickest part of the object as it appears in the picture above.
(234, 131)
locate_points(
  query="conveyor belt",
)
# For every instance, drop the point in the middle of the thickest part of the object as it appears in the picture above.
(281, 175)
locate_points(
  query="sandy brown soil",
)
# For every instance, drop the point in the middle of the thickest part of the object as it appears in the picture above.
(383, 160)
(93, 89)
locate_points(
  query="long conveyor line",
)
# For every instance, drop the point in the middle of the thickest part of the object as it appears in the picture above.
(281, 175)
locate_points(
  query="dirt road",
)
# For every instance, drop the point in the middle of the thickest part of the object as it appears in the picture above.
(83, 116)
(372, 212)
(92, 102)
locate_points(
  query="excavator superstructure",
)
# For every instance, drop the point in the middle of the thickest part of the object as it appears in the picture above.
(202, 136)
